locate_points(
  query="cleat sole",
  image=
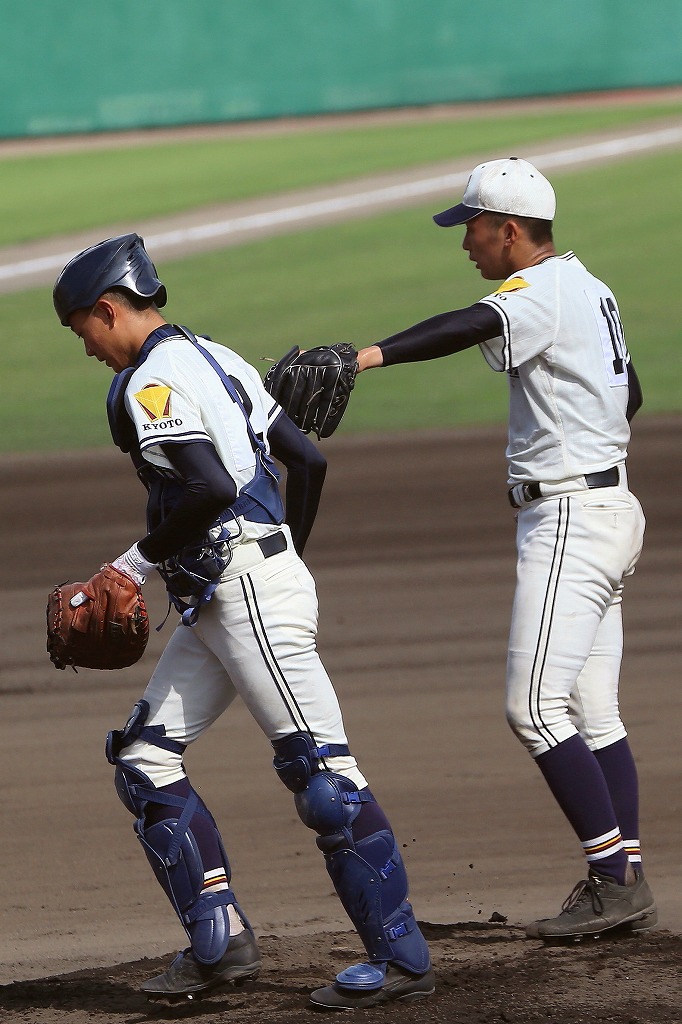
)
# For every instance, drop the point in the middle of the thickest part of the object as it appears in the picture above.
(197, 995)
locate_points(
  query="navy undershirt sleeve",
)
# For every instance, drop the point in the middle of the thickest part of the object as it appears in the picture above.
(208, 490)
(306, 469)
(635, 397)
(442, 335)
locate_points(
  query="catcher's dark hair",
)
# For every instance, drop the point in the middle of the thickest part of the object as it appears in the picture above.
(140, 303)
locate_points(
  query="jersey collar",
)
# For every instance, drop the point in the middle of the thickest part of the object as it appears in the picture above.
(158, 335)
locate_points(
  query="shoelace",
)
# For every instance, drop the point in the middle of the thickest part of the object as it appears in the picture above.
(588, 888)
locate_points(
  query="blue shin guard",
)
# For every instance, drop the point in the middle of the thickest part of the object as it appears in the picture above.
(362, 859)
(174, 825)
(175, 857)
(368, 873)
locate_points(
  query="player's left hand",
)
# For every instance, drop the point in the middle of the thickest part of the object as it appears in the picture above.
(99, 624)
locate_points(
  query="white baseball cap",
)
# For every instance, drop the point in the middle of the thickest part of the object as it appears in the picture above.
(503, 186)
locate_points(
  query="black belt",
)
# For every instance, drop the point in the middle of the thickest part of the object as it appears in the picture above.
(533, 491)
(273, 544)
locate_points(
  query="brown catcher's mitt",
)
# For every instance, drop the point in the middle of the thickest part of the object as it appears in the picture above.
(99, 624)
(314, 387)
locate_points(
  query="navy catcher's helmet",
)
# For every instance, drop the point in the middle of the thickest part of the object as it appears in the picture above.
(121, 262)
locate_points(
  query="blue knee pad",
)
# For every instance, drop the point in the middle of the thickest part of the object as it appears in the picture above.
(368, 874)
(172, 851)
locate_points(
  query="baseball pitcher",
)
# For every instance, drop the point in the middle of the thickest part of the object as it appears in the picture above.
(555, 331)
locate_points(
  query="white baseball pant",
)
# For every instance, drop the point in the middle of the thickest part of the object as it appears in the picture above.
(255, 639)
(566, 637)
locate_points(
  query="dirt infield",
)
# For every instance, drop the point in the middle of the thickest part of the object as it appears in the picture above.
(414, 556)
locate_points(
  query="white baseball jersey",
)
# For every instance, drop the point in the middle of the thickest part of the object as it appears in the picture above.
(176, 395)
(564, 351)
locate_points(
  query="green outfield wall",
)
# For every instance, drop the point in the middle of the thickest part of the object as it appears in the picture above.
(87, 65)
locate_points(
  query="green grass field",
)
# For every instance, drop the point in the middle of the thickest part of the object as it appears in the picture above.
(50, 194)
(358, 281)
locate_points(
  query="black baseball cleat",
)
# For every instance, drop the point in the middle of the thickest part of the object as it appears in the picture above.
(599, 905)
(186, 978)
(372, 987)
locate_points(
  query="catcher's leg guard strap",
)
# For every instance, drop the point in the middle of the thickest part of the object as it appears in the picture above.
(366, 868)
(135, 729)
(170, 845)
(297, 758)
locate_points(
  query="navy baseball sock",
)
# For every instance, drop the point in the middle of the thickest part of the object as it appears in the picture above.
(577, 782)
(619, 769)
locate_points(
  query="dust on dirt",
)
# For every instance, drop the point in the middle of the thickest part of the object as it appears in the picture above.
(486, 974)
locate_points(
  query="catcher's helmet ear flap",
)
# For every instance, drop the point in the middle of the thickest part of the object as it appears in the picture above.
(120, 262)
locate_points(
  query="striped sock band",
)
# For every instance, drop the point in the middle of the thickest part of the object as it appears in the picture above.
(633, 850)
(601, 847)
(215, 879)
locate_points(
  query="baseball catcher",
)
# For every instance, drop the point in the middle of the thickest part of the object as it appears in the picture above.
(204, 437)
(99, 624)
(313, 387)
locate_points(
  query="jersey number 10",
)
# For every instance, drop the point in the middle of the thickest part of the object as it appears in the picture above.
(612, 335)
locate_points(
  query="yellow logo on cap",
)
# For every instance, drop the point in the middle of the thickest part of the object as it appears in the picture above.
(155, 400)
(515, 284)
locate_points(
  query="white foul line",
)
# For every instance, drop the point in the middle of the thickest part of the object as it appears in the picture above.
(377, 197)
